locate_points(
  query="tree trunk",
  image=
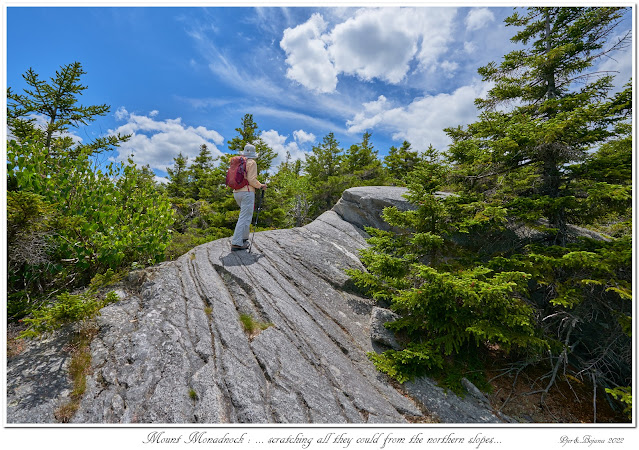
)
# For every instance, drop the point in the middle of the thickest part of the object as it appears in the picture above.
(551, 170)
(551, 90)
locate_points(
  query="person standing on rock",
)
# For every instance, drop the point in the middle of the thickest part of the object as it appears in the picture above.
(245, 198)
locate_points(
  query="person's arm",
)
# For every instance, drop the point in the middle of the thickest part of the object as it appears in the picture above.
(251, 174)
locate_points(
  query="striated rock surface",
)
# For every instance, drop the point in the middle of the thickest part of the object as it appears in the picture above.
(175, 350)
(37, 379)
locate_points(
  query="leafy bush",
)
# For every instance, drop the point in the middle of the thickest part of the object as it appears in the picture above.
(30, 221)
(83, 219)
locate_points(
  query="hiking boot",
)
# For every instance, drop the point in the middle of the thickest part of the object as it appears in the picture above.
(240, 247)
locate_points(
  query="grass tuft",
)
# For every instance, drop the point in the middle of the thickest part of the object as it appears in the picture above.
(79, 367)
(253, 327)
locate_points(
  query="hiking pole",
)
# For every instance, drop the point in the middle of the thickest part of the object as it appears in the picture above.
(257, 216)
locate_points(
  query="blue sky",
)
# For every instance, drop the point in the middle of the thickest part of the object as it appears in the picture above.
(178, 77)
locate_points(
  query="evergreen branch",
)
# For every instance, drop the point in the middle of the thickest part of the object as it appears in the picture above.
(500, 171)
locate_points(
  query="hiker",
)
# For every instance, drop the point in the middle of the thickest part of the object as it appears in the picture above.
(245, 198)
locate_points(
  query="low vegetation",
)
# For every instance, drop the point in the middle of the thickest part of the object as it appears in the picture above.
(253, 327)
(79, 368)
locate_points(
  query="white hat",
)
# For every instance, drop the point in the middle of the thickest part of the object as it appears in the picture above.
(249, 151)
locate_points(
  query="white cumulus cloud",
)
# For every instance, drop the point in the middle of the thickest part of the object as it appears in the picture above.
(372, 115)
(422, 121)
(157, 142)
(121, 113)
(280, 145)
(377, 43)
(302, 136)
(449, 66)
(307, 56)
(470, 47)
(479, 18)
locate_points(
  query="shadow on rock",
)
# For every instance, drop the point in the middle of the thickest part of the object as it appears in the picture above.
(37, 379)
(240, 258)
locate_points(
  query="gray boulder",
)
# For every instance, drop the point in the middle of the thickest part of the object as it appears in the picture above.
(447, 407)
(379, 333)
(363, 206)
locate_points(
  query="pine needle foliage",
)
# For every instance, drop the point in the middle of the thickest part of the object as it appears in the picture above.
(449, 299)
(501, 263)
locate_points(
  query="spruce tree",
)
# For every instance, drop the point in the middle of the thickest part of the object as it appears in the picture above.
(538, 160)
(362, 164)
(551, 147)
(178, 177)
(324, 168)
(562, 111)
(201, 183)
(248, 134)
(291, 191)
(326, 159)
(401, 161)
(57, 102)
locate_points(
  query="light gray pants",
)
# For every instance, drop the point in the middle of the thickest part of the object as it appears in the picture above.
(246, 202)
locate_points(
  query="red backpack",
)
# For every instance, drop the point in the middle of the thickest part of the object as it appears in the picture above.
(236, 175)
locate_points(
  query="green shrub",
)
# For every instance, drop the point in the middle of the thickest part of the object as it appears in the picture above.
(79, 220)
(30, 241)
(70, 308)
(67, 308)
